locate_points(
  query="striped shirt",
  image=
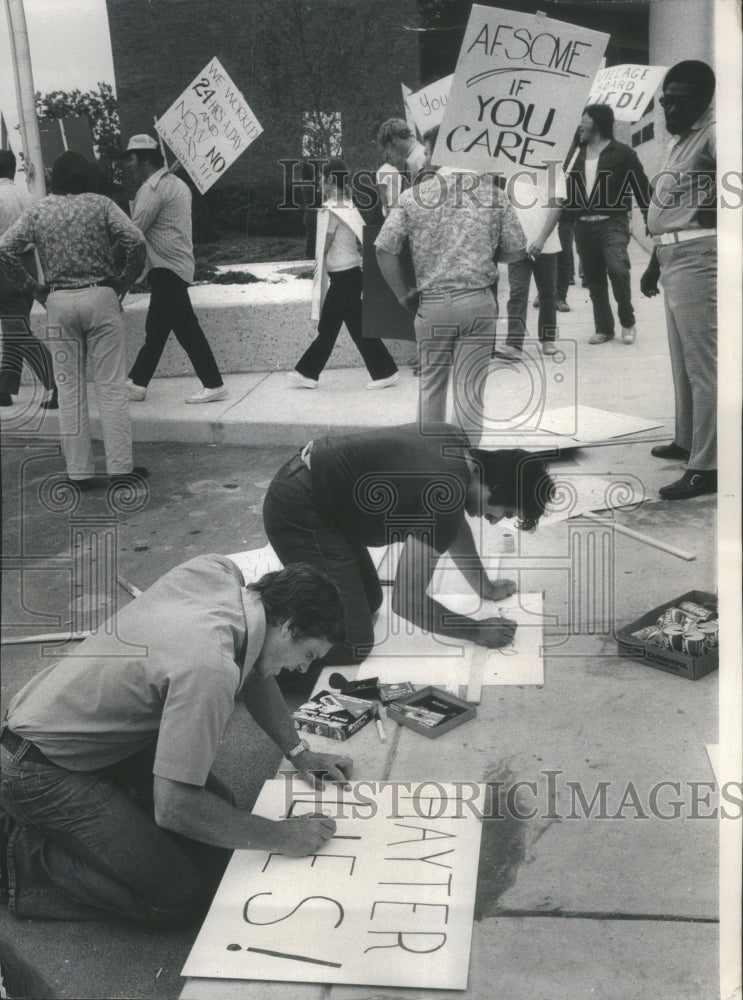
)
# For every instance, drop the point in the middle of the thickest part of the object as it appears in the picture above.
(162, 210)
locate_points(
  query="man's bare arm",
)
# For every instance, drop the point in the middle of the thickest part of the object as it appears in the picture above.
(392, 271)
(410, 600)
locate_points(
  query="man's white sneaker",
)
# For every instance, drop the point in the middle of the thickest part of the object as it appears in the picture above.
(136, 393)
(628, 334)
(208, 395)
(382, 383)
(301, 380)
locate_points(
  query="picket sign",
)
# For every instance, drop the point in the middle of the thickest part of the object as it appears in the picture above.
(627, 89)
(425, 108)
(388, 901)
(518, 92)
(209, 125)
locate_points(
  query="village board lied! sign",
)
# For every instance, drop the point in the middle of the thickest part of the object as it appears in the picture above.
(627, 89)
(388, 901)
(519, 90)
(209, 125)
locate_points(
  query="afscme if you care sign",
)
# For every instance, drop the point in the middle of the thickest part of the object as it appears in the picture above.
(518, 92)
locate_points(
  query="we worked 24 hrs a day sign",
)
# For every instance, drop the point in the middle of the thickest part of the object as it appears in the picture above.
(519, 90)
(209, 125)
(388, 901)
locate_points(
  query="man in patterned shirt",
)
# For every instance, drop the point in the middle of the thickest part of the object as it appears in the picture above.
(458, 223)
(74, 231)
(162, 210)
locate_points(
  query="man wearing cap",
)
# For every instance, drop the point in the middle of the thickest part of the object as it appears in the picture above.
(682, 223)
(162, 210)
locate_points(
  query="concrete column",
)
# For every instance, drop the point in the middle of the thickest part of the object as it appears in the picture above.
(683, 29)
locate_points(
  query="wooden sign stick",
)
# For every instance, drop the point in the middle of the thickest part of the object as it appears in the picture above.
(477, 669)
(631, 533)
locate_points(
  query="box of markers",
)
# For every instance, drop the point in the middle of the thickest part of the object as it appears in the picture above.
(430, 712)
(334, 715)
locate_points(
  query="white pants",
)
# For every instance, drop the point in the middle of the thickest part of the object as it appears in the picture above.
(82, 324)
(455, 333)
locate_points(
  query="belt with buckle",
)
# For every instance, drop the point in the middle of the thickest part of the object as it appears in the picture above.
(103, 283)
(452, 294)
(681, 236)
(593, 218)
(13, 742)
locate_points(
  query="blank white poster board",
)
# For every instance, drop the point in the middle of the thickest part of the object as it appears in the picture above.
(389, 900)
(404, 653)
(569, 427)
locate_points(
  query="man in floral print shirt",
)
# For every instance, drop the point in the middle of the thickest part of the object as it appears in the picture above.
(458, 223)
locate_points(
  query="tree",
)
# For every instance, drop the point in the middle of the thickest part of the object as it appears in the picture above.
(322, 58)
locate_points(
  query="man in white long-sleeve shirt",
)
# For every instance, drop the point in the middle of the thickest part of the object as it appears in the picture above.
(162, 210)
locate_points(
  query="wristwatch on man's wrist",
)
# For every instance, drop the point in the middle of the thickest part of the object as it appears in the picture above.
(296, 751)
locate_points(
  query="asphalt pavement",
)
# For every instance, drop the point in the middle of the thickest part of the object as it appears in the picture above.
(642, 896)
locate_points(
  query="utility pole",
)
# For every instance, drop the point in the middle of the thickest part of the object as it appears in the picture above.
(25, 96)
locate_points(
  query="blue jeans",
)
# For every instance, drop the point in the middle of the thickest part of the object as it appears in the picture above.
(86, 846)
(565, 259)
(603, 252)
(544, 269)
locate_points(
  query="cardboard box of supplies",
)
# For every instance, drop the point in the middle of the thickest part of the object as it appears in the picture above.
(644, 640)
(430, 712)
(334, 715)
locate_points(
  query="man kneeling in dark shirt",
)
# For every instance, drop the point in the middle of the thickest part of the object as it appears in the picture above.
(344, 493)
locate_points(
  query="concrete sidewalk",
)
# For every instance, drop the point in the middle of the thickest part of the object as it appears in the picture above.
(264, 409)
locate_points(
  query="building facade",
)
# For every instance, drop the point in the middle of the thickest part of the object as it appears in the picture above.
(319, 76)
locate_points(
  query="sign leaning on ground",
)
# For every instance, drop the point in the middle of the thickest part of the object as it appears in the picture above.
(627, 89)
(425, 107)
(209, 125)
(389, 900)
(518, 92)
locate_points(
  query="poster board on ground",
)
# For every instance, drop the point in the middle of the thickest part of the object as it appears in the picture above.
(627, 89)
(388, 901)
(518, 92)
(209, 125)
(383, 316)
(403, 652)
(568, 427)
